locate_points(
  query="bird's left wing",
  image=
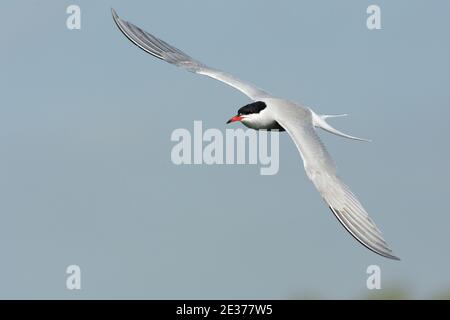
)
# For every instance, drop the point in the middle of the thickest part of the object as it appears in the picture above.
(164, 51)
(321, 170)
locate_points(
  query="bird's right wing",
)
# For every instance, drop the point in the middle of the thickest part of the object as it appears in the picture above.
(321, 170)
(164, 51)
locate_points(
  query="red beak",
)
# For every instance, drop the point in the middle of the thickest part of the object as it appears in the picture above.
(234, 119)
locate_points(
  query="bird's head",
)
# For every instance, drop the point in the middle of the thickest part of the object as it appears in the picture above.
(249, 114)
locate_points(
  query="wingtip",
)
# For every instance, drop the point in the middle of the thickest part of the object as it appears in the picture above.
(394, 258)
(114, 14)
(386, 252)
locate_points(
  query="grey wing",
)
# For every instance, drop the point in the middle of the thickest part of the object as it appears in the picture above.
(321, 170)
(162, 50)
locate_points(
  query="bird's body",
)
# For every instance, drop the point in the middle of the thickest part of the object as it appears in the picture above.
(267, 112)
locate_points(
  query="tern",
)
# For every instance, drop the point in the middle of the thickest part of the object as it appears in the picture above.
(268, 112)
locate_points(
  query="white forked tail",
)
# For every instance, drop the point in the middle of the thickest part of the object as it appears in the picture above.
(319, 121)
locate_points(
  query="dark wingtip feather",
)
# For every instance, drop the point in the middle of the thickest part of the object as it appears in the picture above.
(383, 254)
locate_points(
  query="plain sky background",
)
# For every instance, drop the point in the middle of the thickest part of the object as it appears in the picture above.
(85, 170)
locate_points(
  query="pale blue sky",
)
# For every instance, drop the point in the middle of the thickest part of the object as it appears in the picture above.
(86, 176)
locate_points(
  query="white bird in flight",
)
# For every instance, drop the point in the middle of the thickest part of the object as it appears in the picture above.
(267, 113)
